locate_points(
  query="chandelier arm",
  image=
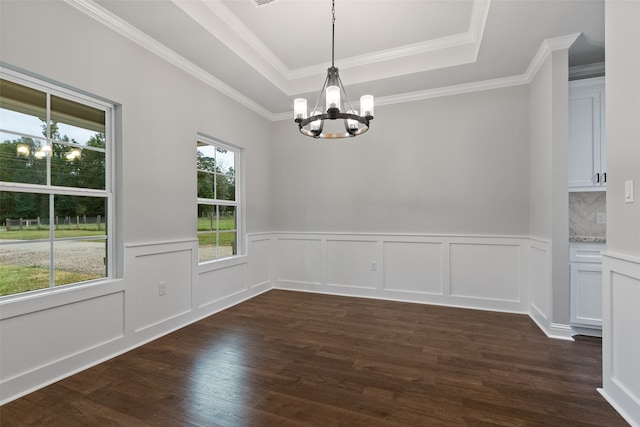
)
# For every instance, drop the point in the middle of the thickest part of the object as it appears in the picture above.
(324, 86)
(345, 93)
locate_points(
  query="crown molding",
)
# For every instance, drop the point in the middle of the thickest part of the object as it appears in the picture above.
(588, 70)
(220, 22)
(546, 48)
(125, 29)
(95, 11)
(473, 36)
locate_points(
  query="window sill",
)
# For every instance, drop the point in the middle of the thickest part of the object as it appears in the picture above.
(20, 304)
(219, 264)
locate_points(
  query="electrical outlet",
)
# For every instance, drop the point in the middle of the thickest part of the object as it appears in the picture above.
(374, 266)
(162, 288)
(601, 218)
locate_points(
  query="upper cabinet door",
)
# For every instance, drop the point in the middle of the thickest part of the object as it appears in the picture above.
(586, 132)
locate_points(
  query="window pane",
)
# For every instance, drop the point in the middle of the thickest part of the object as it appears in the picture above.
(23, 267)
(23, 159)
(24, 216)
(225, 187)
(207, 246)
(78, 121)
(225, 161)
(79, 216)
(22, 109)
(226, 244)
(227, 218)
(206, 157)
(79, 260)
(76, 167)
(206, 184)
(207, 219)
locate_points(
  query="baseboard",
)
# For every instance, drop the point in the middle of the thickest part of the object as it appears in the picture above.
(619, 409)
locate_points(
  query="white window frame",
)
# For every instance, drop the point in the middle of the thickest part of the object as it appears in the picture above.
(52, 89)
(238, 201)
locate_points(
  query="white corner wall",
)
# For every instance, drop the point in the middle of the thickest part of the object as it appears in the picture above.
(621, 261)
(548, 196)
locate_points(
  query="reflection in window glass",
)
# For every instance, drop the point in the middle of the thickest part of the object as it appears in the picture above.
(79, 261)
(78, 122)
(22, 123)
(23, 159)
(22, 109)
(75, 167)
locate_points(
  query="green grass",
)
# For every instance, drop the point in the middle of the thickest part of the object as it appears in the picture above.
(226, 239)
(15, 279)
(225, 223)
(35, 234)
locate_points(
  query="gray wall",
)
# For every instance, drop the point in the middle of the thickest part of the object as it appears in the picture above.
(456, 164)
(163, 108)
(549, 160)
(540, 153)
(623, 128)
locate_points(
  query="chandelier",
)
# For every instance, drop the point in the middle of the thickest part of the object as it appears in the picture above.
(354, 123)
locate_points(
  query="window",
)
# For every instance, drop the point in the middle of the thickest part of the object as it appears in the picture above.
(55, 192)
(218, 200)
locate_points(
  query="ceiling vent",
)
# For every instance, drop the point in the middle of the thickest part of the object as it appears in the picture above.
(261, 2)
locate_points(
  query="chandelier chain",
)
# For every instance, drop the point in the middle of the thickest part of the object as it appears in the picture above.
(333, 32)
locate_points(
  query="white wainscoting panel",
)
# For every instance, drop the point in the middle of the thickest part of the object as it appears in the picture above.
(299, 260)
(47, 336)
(413, 267)
(259, 250)
(540, 283)
(223, 283)
(486, 271)
(170, 270)
(620, 338)
(352, 263)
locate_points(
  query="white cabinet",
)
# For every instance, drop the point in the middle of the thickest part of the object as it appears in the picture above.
(586, 286)
(587, 135)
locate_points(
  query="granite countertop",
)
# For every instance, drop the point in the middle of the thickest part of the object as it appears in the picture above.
(586, 239)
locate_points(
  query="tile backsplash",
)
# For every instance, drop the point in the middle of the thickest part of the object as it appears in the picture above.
(583, 208)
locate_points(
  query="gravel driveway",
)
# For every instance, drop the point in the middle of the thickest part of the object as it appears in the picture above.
(80, 256)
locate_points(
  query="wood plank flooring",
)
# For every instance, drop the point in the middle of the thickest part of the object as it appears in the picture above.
(298, 359)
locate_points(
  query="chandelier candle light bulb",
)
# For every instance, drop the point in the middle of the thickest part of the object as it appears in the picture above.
(299, 108)
(366, 105)
(354, 124)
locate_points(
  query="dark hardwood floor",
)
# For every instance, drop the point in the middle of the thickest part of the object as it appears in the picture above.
(296, 359)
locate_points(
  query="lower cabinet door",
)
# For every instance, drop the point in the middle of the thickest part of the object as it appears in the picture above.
(586, 294)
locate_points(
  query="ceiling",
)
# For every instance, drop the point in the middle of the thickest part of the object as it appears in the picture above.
(266, 55)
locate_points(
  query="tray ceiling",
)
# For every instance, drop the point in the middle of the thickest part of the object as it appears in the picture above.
(266, 55)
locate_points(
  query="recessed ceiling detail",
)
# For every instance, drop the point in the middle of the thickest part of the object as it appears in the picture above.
(397, 50)
(446, 51)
